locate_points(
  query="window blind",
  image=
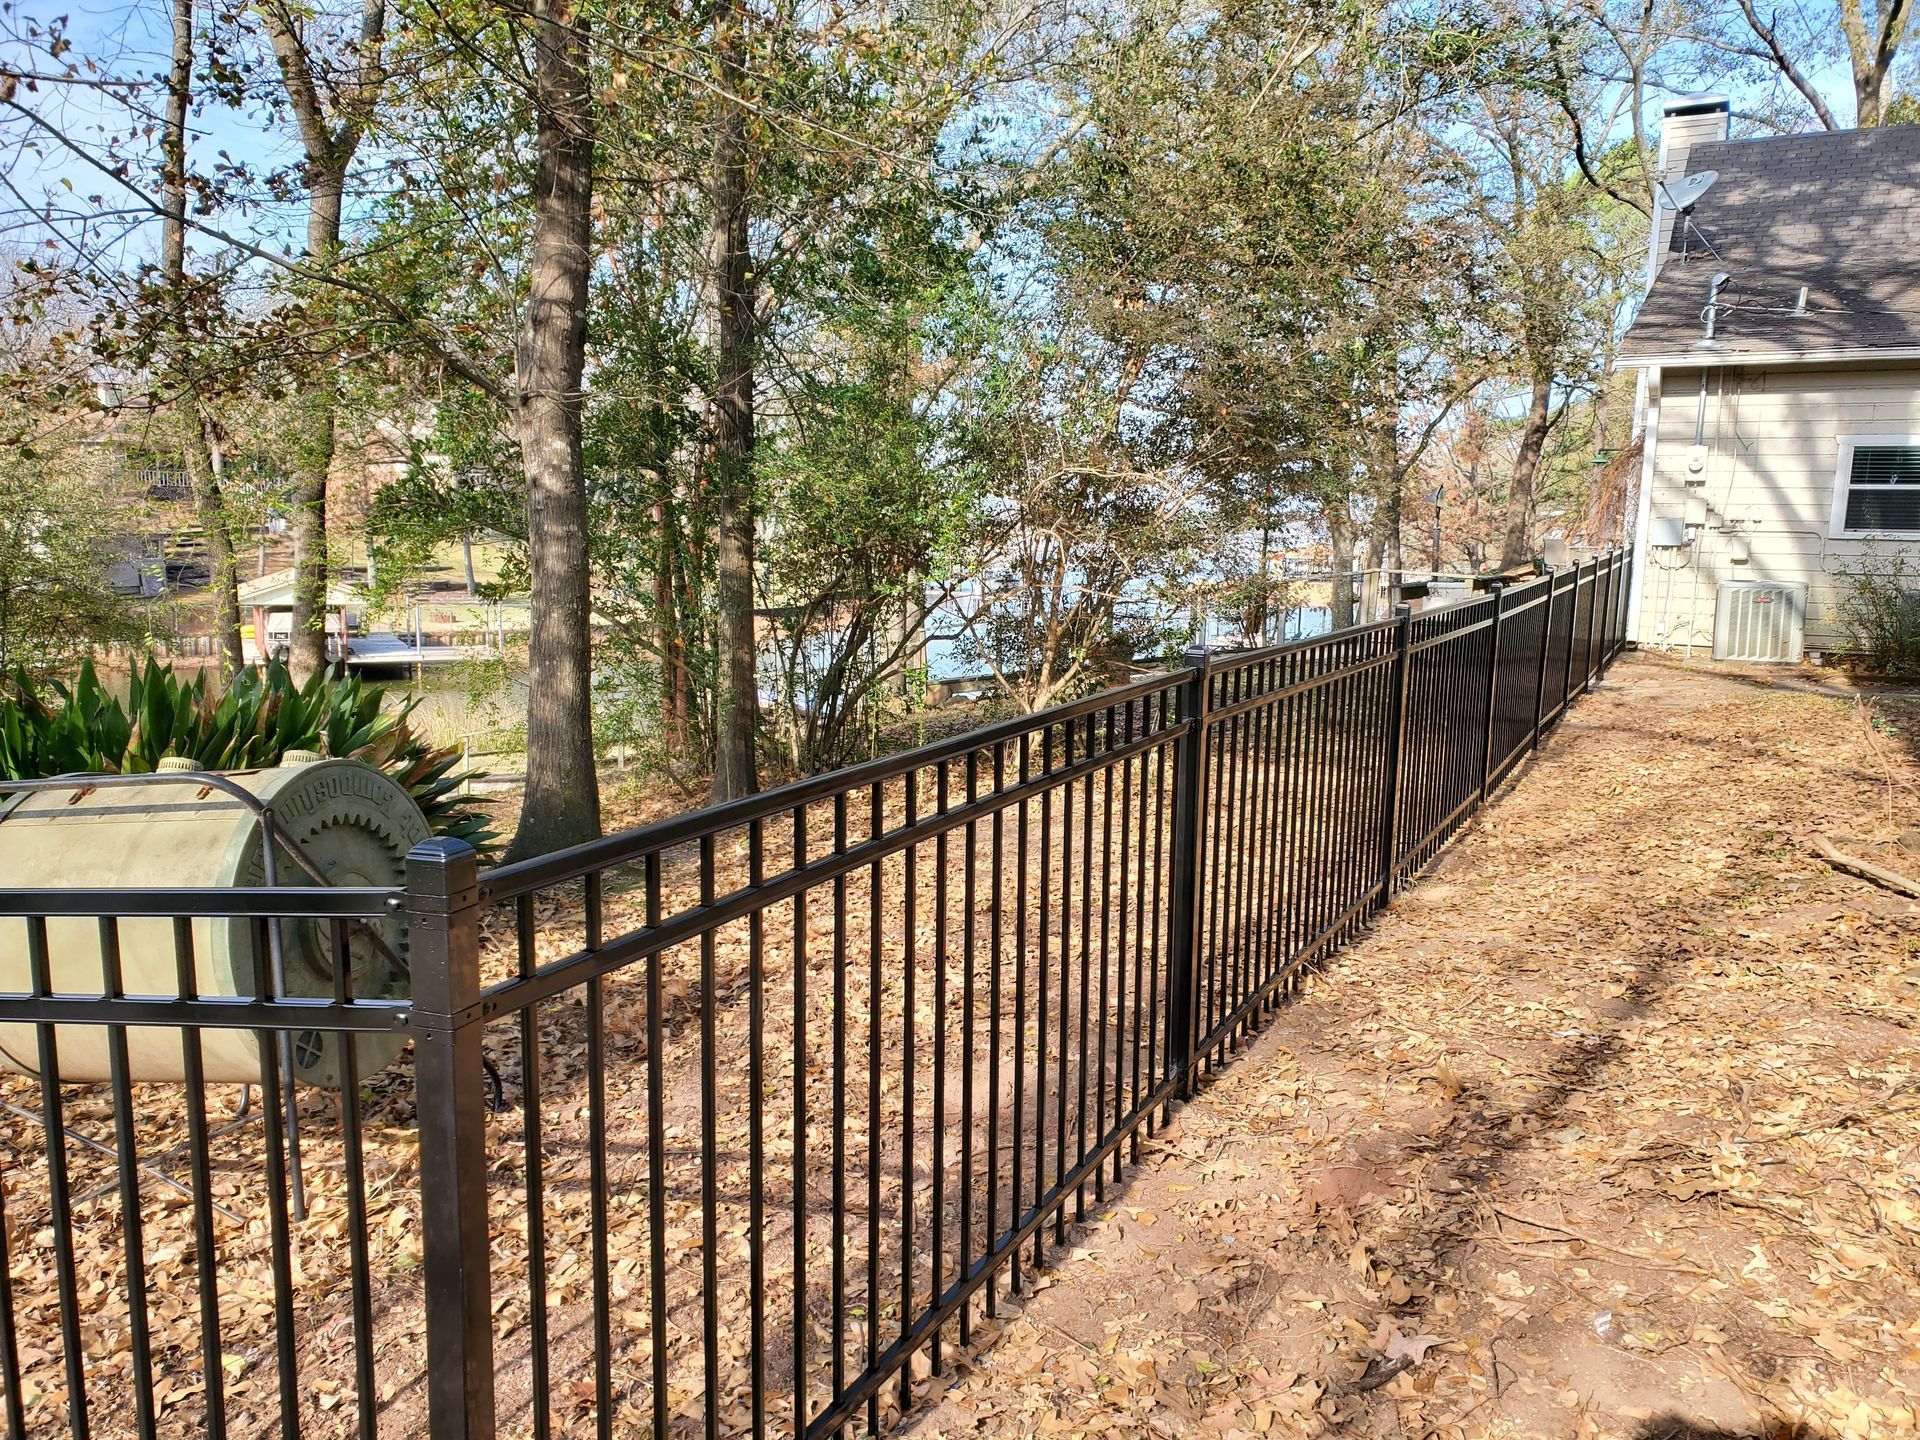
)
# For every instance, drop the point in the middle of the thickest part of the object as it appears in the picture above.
(1883, 488)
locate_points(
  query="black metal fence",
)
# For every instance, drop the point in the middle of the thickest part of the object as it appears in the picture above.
(727, 1125)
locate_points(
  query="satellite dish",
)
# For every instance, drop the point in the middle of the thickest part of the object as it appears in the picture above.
(1684, 194)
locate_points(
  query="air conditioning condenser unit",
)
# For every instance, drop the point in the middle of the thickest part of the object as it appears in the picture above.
(1761, 620)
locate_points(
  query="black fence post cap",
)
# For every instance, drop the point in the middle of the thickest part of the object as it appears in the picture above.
(440, 850)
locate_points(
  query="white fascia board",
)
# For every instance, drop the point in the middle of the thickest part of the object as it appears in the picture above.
(1719, 359)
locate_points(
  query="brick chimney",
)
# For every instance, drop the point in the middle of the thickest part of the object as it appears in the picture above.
(1684, 124)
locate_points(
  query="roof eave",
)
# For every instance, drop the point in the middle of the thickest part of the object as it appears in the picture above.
(1691, 359)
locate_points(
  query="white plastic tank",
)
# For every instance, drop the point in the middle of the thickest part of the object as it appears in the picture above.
(350, 823)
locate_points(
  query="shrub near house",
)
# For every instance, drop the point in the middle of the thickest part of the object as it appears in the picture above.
(1879, 606)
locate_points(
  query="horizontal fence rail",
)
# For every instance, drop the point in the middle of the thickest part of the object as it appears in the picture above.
(732, 1124)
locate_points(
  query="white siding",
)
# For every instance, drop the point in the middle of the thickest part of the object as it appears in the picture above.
(1769, 454)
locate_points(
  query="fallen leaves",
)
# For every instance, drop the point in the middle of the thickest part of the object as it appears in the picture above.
(1397, 1347)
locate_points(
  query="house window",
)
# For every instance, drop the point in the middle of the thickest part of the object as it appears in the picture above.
(1877, 488)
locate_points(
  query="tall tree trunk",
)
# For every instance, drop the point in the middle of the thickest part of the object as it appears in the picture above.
(1253, 622)
(315, 435)
(694, 618)
(1475, 444)
(676, 689)
(907, 636)
(223, 564)
(1396, 508)
(562, 799)
(1340, 553)
(1370, 572)
(329, 149)
(206, 454)
(1873, 43)
(313, 432)
(1516, 547)
(197, 432)
(732, 453)
(173, 151)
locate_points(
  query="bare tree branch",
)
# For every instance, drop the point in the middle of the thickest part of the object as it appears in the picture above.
(1783, 62)
(449, 351)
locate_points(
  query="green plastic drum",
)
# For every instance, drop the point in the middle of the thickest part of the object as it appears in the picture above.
(350, 822)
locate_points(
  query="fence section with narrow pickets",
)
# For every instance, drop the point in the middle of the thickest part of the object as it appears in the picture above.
(730, 1124)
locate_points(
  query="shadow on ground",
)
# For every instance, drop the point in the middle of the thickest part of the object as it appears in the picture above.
(1676, 1427)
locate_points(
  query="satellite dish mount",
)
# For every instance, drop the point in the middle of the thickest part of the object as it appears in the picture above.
(1683, 195)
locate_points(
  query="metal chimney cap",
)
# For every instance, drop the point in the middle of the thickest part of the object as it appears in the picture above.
(1697, 105)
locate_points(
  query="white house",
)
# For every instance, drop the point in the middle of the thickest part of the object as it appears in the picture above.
(1779, 342)
(441, 626)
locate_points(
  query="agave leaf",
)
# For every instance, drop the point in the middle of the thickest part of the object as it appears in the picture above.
(249, 721)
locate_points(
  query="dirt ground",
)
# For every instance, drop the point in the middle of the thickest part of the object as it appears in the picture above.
(1610, 1128)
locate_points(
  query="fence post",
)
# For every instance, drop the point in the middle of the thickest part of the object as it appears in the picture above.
(1613, 610)
(443, 945)
(1493, 691)
(1616, 582)
(1546, 645)
(1597, 631)
(1627, 580)
(1396, 750)
(1573, 639)
(1189, 836)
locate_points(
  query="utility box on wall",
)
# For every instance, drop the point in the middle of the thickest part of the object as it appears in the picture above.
(1761, 620)
(1667, 532)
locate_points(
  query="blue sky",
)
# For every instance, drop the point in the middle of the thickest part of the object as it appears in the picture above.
(124, 40)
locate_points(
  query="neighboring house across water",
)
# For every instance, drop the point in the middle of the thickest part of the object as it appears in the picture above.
(1780, 345)
(439, 625)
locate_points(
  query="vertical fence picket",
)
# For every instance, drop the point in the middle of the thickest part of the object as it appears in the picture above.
(1597, 626)
(1487, 757)
(1573, 639)
(1395, 758)
(1546, 648)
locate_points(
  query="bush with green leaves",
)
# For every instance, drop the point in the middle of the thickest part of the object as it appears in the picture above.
(1879, 605)
(84, 728)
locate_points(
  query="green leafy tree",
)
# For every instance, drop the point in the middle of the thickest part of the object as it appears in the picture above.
(1278, 304)
(57, 596)
(1561, 253)
(1082, 542)
(871, 493)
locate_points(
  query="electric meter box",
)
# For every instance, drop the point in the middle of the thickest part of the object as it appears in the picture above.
(1667, 532)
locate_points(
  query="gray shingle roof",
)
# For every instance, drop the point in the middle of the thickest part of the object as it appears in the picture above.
(1838, 213)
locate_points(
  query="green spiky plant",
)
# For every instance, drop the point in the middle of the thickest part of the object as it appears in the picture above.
(253, 721)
